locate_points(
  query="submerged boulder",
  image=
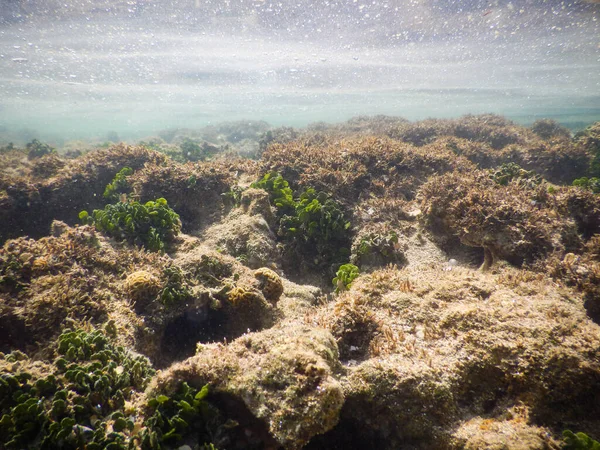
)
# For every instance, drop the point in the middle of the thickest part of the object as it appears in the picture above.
(284, 376)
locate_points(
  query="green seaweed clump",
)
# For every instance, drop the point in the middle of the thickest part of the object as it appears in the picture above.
(192, 151)
(313, 223)
(185, 413)
(119, 185)
(579, 441)
(592, 184)
(11, 270)
(37, 149)
(375, 248)
(80, 404)
(176, 289)
(318, 227)
(508, 172)
(345, 275)
(150, 224)
(280, 193)
(7, 148)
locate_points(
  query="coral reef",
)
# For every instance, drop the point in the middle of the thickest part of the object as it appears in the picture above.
(411, 346)
(427, 348)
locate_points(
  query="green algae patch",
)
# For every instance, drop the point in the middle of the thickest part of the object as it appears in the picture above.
(91, 397)
(151, 224)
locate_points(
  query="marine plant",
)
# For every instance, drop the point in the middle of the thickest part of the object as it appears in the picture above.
(548, 129)
(508, 172)
(176, 289)
(192, 151)
(592, 184)
(87, 400)
(7, 148)
(80, 403)
(150, 224)
(186, 412)
(345, 275)
(589, 139)
(280, 193)
(579, 441)
(269, 283)
(37, 149)
(233, 196)
(318, 227)
(373, 246)
(119, 185)
(313, 223)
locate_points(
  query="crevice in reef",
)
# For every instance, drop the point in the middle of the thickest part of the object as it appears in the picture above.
(183, 333)
(249, 432)
(348, 434)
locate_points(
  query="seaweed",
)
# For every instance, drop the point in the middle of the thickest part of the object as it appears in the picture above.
(119, 185)
(280, 193)
(176, 289)
(318, 228)
(37, 149)
(312, 224)
(591, 184)
(509, 172)
(579, 441)
(345, 275)
(194, 152)
(186, 412)
(376, 248)
(150, 224)
(81, 403)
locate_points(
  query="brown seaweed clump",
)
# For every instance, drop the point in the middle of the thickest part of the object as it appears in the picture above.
(142, 286)
(513, 222)
(356, 168)
(269, 283)
(487, 140)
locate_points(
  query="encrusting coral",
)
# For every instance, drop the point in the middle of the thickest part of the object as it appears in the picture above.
(142, 286)
(269, 283)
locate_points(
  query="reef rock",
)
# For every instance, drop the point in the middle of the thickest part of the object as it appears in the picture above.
(284, 376)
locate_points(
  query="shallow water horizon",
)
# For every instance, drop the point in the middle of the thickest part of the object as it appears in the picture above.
(83, 70)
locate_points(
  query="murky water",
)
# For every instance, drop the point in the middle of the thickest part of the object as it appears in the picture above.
(82, 69)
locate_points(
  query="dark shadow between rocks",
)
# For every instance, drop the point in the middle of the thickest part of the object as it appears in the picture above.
(348, 434)
(246, 431)
(181, 335)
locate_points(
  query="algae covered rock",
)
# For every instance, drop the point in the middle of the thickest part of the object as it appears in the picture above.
(284, 376)
(428, 349)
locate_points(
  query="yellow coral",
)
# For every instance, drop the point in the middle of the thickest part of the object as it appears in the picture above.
(142, 285)
(269, 283)
(243, 295)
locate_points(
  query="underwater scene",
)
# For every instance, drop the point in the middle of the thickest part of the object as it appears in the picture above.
(256, 224)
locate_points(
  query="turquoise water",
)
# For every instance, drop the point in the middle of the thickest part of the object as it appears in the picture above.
(83, 69)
